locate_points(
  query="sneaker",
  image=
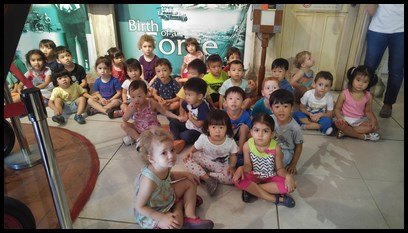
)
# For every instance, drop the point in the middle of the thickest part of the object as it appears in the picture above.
(247, 197)
(118, 113)
(211, 184)
(178, 145)
(385, 111)
(128, 140)
(80, 119)
(197, 223)
(91, 111)
(59, 119)
(329, 131)
(372, 136)
(340, 134)
(137, 144)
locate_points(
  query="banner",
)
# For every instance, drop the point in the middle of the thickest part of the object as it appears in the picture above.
(216, 27)
(65, 24)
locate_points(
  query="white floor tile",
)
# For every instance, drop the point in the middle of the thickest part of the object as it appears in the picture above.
(331, 202)
(389, 197)
(326, 156)
(381, 160)
(112, 197)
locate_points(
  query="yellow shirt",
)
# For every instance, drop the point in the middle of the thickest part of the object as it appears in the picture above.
(215, 82)
(181, 94)
(69, 94)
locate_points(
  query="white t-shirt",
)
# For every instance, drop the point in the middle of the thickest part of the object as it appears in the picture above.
(389, 18)
(228, 83)
(126, 84)
(216, 151)
(315, 105)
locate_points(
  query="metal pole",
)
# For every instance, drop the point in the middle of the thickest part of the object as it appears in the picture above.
(38, 116)
(29, 156)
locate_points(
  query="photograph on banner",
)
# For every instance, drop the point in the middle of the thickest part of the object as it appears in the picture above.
(216, 27)
(64, 24)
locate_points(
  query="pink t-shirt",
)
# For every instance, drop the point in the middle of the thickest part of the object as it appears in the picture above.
(189, 57)
(353, 108)
(145, 118)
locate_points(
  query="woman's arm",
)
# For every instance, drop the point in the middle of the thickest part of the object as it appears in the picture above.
(371, 9)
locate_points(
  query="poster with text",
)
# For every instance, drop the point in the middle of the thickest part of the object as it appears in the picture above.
(216, 27)
(65, 24)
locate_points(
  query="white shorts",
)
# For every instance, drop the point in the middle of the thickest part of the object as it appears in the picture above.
(355, 121)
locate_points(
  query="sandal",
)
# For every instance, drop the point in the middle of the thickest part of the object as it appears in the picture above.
(340, 134)
(287, 200)
(199, 201)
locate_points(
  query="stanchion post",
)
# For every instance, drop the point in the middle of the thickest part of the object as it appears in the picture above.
(38, 116)
(28, 156)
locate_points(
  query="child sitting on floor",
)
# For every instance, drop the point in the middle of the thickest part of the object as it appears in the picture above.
(353, 109)
(287, 132)
(67, 97)
(236, 74)
(240, 118)
(269, 85)
(165, 199)
(263, 173)
(164, 87)
(143, 111)
(107, 89)
(316, 105)
(193, 112)
(213, 155)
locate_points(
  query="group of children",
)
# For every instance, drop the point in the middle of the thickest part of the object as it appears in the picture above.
(209, 106)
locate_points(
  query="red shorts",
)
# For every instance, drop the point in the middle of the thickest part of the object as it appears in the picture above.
(250, 177)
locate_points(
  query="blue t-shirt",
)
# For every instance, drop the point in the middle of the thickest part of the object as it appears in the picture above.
(245, 118)
(166, 91)
(259, 107)
(284, 84)
(54, 65)
(107, 90)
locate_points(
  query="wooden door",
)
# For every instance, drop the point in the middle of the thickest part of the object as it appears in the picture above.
(326, 30)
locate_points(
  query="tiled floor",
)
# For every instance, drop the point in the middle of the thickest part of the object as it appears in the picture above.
(342, 183)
